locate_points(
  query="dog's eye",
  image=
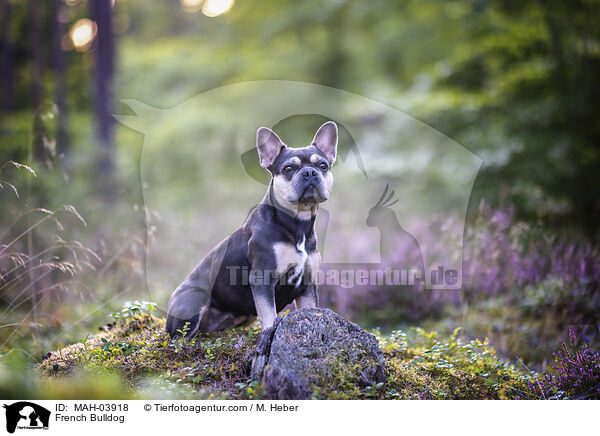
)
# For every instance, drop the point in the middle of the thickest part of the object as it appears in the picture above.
(287, 169)
(323, 166)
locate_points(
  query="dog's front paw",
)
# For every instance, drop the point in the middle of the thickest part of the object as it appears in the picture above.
(263, 349)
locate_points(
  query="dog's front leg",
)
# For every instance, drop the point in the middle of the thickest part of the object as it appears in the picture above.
(308, 298)
(264, 300)
(263, 278)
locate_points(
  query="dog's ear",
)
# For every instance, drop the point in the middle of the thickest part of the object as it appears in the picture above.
(269, 146)
(326, 140)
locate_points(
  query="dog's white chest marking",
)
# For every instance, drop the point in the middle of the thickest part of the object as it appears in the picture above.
(291, 260)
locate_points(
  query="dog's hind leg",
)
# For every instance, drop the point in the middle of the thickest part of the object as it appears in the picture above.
(215, 320)
(188, 305)
(176, 326)
(190, 302)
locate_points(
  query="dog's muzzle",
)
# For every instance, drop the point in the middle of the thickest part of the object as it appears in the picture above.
(310, 186)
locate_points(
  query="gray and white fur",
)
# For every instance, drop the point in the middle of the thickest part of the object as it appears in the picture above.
(276, 247)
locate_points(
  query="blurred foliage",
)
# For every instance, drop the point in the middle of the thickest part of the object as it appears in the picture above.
(512, 81)
(523, 286)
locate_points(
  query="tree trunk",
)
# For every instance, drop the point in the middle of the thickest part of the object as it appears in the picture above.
(35, 9)
(104, 72)
(6, 62)
(37, 61)
(60, 68)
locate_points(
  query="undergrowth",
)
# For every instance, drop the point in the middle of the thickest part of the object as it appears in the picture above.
(135, 358)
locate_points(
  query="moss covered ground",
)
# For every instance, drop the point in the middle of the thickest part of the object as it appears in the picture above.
(135, 358)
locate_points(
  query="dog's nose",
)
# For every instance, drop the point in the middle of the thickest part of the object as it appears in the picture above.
(309, 173)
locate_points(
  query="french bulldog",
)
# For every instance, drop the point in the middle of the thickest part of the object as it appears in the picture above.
(271, 260)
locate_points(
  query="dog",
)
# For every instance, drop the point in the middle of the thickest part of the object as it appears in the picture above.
(272, 259)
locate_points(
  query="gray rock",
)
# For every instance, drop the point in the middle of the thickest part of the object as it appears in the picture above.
(316, 351)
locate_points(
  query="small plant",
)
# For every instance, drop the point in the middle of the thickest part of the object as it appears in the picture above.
(185, 330)
(423, 365)
(251, 390)
(180, 344)
(134, 310)
(373, 391)
(577, 373)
